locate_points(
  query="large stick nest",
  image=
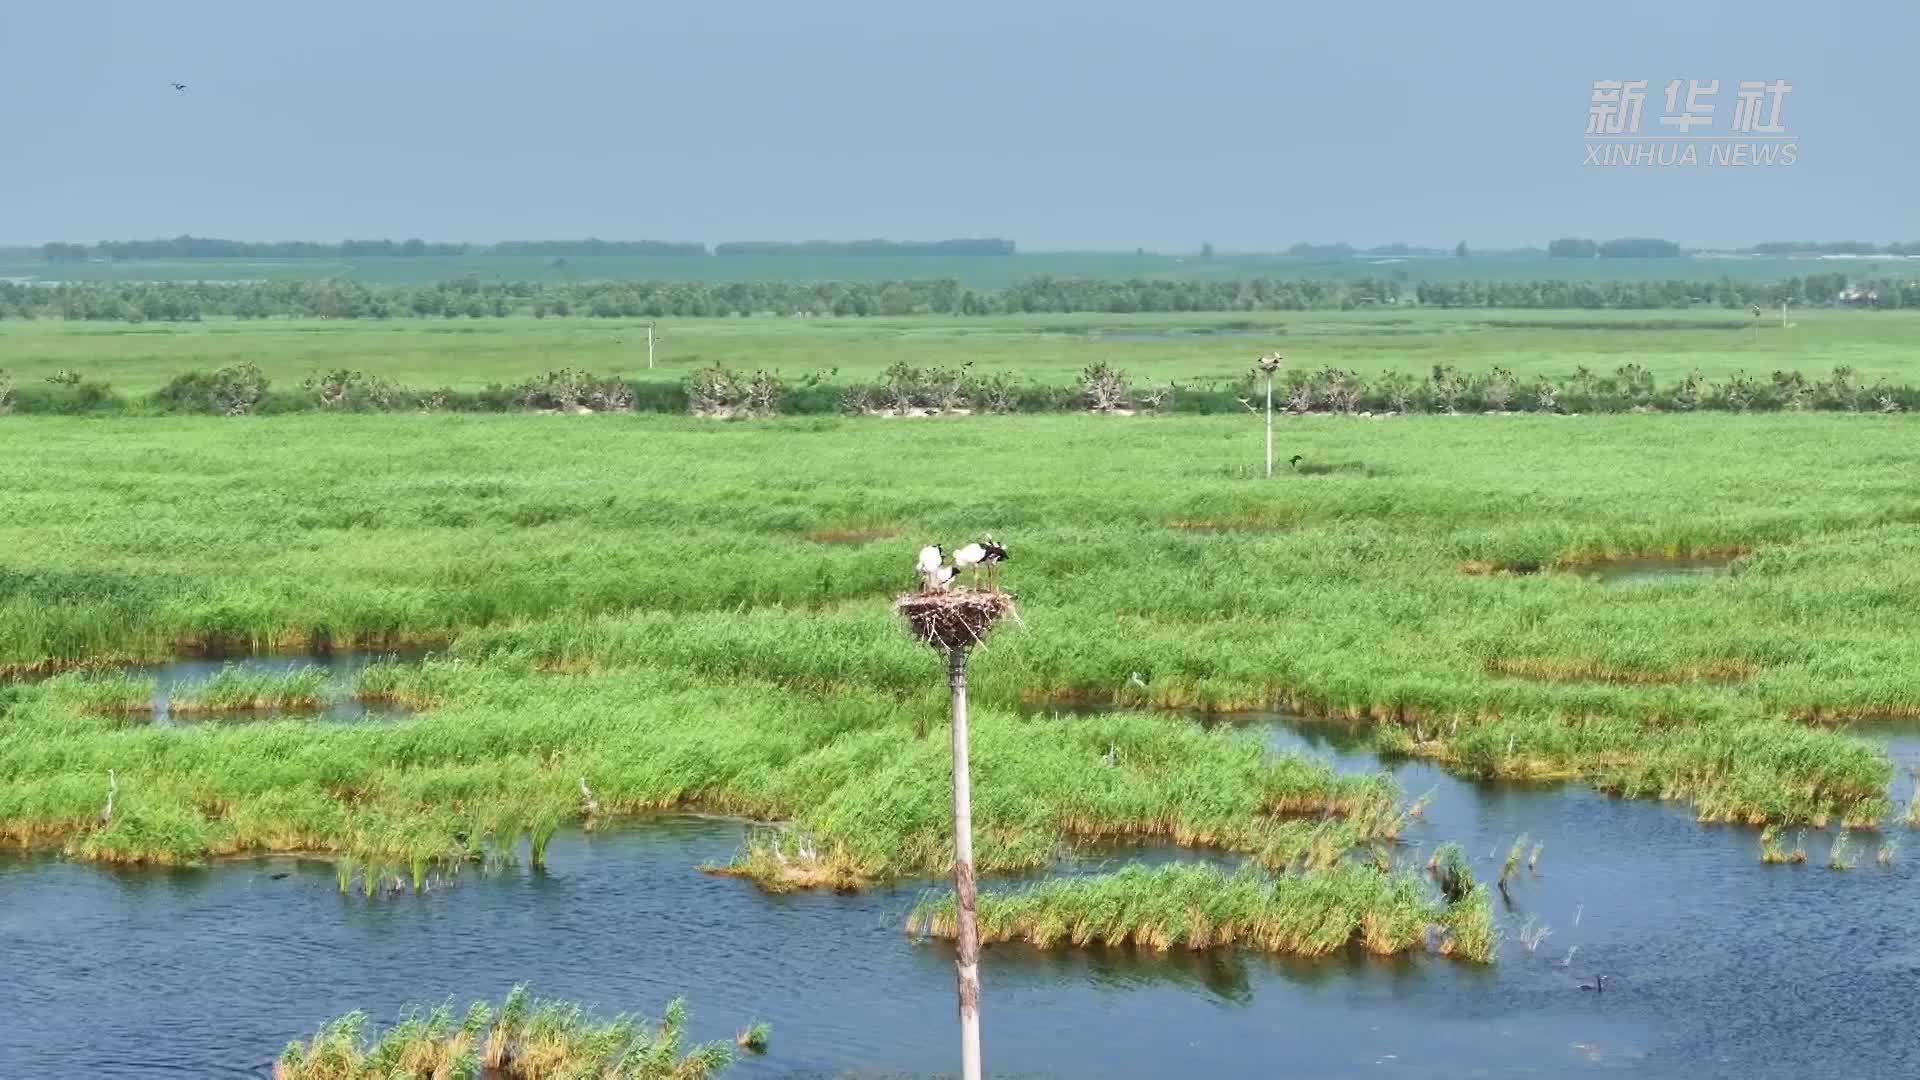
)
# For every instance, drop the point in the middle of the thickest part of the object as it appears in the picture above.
(958, 619)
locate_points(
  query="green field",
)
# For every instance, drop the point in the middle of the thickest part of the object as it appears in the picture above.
(683, 614)
(696, 614)
(978, 271)
(468, 354)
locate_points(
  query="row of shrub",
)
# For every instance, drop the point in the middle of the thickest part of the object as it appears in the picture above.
(470, 298)
(243, 389)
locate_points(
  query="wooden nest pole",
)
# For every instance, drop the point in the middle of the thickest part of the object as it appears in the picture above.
(954, 622)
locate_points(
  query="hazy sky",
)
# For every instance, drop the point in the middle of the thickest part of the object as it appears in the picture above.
(1058, 124)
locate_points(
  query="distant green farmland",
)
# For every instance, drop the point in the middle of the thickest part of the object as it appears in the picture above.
(469, 354)
(978, 271)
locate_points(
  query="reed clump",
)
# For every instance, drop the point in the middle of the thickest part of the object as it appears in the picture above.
(754, 1038)
(525, 1039)
(236, 689)
(1510, 869)
(1771, 851)
(1742, 770)
(1202, 907)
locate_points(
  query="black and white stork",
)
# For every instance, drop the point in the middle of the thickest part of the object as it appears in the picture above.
(982, 552)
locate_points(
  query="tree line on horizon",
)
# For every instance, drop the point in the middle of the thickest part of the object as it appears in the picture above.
(200, 247)
(196, 247)
(471, 298)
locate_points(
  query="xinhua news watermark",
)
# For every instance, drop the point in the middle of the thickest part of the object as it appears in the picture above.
(1754, 135)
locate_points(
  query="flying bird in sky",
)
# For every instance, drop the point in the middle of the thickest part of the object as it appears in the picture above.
(180, 86)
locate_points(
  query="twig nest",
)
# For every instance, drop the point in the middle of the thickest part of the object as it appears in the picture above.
(957, 619)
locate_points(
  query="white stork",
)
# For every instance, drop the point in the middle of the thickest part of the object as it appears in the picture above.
(982, 552)
(933, 576)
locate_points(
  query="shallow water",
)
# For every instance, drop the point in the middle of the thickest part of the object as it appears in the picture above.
(1653, 571)
(1718, 966)
(339, 666)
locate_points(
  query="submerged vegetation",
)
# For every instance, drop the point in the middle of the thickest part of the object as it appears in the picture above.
(1202, 907)
(526, 1038)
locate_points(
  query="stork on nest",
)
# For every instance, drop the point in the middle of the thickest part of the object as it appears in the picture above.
(959, 619)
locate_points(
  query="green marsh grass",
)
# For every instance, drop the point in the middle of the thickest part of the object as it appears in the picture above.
(503, 765)
(1051, 349)
(103, 693)
(637, 600)
(237, 689)
(1202, 907)
(525, 1039)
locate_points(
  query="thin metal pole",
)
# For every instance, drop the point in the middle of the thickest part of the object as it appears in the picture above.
(967, 936)
(649, 346)
(1269, 427)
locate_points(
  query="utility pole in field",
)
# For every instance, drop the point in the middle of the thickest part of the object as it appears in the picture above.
(649, 346)
(1268, 365)
(954, 623)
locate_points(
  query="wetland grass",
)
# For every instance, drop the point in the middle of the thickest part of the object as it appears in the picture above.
(1772, 854)
(716, 662)
(526, 1039)
(504, 764)
(1510, 869)
(1202, 907)
(115, 694)
(236, 689)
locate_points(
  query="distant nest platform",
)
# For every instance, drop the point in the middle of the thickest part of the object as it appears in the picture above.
(958, 619)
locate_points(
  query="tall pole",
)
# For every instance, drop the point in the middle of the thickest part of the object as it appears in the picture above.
(967, 937)
(1269, 425)
(649, 346)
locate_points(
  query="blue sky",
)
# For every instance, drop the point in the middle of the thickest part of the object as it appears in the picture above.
(1058, 124)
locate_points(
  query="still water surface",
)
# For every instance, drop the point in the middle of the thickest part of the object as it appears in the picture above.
(340, 667)
(1718, 966)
